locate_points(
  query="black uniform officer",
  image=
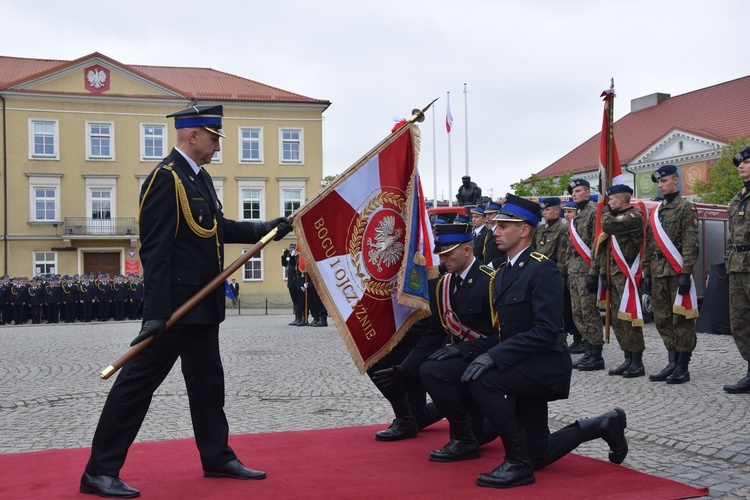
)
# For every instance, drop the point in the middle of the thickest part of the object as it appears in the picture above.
(513, 382)
(182, 249)
(493, 256)
(294, 282)
(462, 303)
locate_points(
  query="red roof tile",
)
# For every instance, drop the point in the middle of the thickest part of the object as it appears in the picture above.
(719, 113)
(198, 83)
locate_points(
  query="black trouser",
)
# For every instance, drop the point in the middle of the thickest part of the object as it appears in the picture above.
(197, 346)
(53, 313)
(119, 310)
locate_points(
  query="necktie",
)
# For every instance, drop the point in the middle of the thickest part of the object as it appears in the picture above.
(458, 281)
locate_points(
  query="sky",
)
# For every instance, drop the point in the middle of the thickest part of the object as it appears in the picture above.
(533, 69)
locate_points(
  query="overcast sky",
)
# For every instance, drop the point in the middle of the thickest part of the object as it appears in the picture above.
(534, 69)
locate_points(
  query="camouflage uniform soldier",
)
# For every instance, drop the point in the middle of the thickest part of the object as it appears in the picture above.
(738, 267)
(679, 219)
(585, 313)
(625, 223)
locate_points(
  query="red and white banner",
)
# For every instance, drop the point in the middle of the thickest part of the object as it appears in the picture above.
(686, 305)
(448, 116)
(610, 170)
(630, 305)
(364, 243)
(580, 246)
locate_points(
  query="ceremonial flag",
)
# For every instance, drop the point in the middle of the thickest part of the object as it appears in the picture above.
(448, 116)
(228, 290)
(366, 242)
(610, 170)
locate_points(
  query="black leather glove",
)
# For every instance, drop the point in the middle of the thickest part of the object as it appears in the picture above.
(388, 376)
(150, 328)
(592, 284)
(481, 364)
(282, 223)
(683, 284)
(445, 352)
(646, 284)
(603, 281)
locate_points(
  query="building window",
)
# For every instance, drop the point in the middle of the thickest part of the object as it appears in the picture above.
(216, 158)
(153, 140)
(251, 145)
(252, 200)
(291, 146)
(44, 197)
(101, 203)
(253, 269)
(100, 141)
(45, 263)
(291, 195)
(43, 140)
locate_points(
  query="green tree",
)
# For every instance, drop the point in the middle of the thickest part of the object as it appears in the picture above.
(328, 179)
(723, 181)
(548, 186)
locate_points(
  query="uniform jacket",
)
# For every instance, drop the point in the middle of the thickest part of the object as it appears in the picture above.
(680, 222)
(174, 257)
(628, 227)
(528, 302)
(739, 233)
(551, 240)
(493, 256)
(585, 224)
(479, 241)
(293, 274)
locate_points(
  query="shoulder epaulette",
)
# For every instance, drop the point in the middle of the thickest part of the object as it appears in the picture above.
(168, 166)
(538, 256)
(486, 270)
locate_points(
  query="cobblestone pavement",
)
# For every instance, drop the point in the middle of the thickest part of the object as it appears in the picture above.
(294, 378)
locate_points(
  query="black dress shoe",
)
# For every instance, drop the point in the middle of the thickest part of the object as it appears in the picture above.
(456, 451)
(107, 487)
(235, 470)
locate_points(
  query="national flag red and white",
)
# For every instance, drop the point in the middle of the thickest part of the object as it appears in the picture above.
(367, 250)
(448, 116)
(610, 170)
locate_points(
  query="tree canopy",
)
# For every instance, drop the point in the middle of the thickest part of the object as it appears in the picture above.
(723, 180)
(549, 186)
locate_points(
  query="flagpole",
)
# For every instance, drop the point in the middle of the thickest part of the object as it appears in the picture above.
(466, 126)
(610, 168)
(450, 174)
(434, 161)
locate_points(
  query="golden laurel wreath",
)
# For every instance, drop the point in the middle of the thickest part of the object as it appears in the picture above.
(377, 288)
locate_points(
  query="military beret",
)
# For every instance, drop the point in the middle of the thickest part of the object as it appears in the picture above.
(517, 209)
(551, 201)
(577, 182)
(741, 156)
(450, 236)
(618, 189)
(663, 171)
(208, 117)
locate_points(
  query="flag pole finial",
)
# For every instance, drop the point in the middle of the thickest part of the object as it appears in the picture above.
(417, 115)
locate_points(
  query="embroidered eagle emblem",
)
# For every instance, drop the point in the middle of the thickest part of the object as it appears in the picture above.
(386, 249)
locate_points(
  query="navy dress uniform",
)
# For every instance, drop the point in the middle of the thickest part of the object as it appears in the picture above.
(462, 304)
(493, 256)
(182, 249)
(514, 381)
(479, 234)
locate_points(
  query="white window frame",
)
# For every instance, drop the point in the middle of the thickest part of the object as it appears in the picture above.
(216, 158)
(35, 262)
(219, 188)
(55, 137)
(243, 184)
(101, 183)
(243, 141)
(90, 136)
(300, 142)
(41, 181)
(290, 185)
(256, 259)
(164, 152)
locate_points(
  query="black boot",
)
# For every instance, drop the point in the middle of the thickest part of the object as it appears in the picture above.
(462, 446)
(315, 321)
(680, 375)
(322, 321)
(623, 367)
(636, 366)
(609, 426)
(586, 355)
(667, 371)
(577, 346)
(516, 470)
(404, 426)
(742, 386)
(297, 316)
(595, 362)
(302, 316)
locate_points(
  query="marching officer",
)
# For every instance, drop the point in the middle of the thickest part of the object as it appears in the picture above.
(624, 224)
(738, 267)
(671, 253)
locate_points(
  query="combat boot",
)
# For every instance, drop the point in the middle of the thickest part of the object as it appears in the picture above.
(516, 470)
(636, 368)
(680, 375)
(609, 426)
(667, 371)
(595, 362)
(404, 426)
(462, 446)
(322, 320)
(624, 366)
(586, 354)
(297, 316)
(741, 386)
(315, 321)
(577, 346)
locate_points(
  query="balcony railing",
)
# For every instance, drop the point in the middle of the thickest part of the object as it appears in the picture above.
(89, 226)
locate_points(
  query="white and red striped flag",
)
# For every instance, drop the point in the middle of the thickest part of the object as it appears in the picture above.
(367, 243)
(448, 116)
(610, 170)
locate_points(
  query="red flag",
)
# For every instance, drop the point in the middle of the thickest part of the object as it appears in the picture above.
(366, 250)
(610, 170)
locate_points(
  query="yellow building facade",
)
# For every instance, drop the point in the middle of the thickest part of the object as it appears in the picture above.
(80, 137)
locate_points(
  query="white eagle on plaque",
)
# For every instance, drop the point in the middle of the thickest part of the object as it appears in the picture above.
(386, 249)
(97, 78)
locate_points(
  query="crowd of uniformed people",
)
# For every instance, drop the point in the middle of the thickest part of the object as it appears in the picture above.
(52, 298)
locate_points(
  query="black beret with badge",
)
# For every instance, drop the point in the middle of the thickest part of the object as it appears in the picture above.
(741, 156)
(663, 171)
(577, 182)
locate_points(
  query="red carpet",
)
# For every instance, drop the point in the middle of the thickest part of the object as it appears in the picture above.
(333, 463)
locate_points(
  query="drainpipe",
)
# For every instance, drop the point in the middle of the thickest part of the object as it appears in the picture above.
(5, 192)
(635, 188)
